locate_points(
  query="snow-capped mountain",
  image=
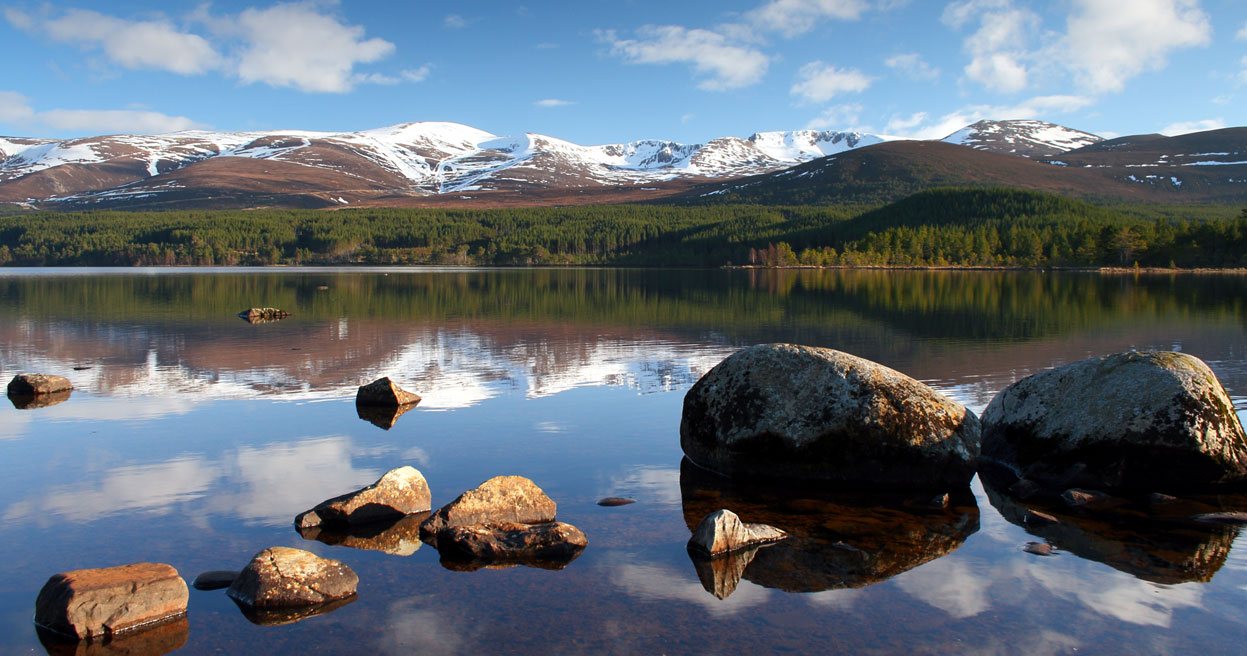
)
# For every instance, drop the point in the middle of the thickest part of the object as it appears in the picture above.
(1026, 138)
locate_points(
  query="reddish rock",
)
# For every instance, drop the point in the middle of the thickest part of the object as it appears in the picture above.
(95, 603)
(281, 577)
(554, 542)
(383, 392)
(499, 500)
(37, 384)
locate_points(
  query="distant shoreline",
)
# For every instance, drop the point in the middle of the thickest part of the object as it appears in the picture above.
(951, 267)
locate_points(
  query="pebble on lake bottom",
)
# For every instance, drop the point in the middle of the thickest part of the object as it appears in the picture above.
(611, 502)
(1039, 548)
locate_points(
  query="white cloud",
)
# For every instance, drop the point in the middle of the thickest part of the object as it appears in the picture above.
(1241, 35)
(920, 126)
(416, 74)
(554, 102)
(455, 21)
(107, 121)
(1185, 127)
(409, 75)
(687, 118)
(820, 82)
(1105, 45)
(138, 44)
(294, 45)
(14, 108)
(913, 66)
(998, 48)
(837, 117)
(721, 63)
(19, 19)
(904, 124)
(795, 17)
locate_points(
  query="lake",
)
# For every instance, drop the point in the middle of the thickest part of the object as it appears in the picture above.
(194, 438)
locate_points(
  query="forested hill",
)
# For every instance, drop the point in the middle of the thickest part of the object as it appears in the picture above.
(942, 227)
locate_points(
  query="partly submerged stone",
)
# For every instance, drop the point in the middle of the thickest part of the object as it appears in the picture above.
(722, 532)
(263, 314)
(401, 491)
(499, 500)
(95, 603)
(551, 545)
(215, 579)
(1135, 420)
(613, 502)
(38, 384)
(385, 393)
(799, 412)
(281, 577)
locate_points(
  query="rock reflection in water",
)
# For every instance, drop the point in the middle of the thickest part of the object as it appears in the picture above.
(161, 639)
(33, 402)
(844, 539)
(398, 538)
(1157, 543)
(381, 416)
(280, 616)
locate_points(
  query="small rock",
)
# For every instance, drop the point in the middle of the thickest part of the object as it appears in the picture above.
(611, 502)
(215, 579)
(722, 532)
(401, 491)
(499, 500)
(1231, 518)
(1036, 518)
(1038, 548)
(37, 384)
(383, 392)
(1024, 489)
(281, 577)
(1156, 498)
(263, 315)
(941, 501)
(82, 367)
(554, 543)
(95, 603)
(1077, 498)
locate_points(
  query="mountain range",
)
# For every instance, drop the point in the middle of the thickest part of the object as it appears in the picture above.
(433, 163)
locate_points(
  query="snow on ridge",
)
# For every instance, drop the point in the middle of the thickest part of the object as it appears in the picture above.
(1025, 137)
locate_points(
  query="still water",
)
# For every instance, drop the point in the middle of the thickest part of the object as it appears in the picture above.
(194, 438)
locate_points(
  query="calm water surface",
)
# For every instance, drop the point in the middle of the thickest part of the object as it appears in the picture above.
(193, 438)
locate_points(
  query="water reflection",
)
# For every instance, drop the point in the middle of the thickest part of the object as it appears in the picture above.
(1154, 543)
(155, 641)
(39, 401)
(841, 540)
(384, 418)
(397, 538)
(283, 616)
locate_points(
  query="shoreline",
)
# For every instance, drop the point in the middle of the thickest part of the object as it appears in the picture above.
(1054, 269)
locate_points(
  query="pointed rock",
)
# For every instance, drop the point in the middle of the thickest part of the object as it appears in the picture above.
(281, 577)
(94, 603)
(383, 392)
(501, 499)
(401, 491)
(722, 532)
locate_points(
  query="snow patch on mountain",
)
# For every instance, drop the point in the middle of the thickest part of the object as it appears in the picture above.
(1026, 138)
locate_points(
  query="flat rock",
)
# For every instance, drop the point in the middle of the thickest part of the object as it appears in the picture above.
(722, 532)
(385, 393)
(281, 577)
(798, 412)
(96, 603)
(1135, 420)
(612, 502)
(215, 579)
(401, 491)
(499, 500)
(554, 542)
(37, 384)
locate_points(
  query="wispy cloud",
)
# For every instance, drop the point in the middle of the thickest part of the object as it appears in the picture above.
(912, 66)
(720, 63)
(795, 17)
(920, 125)
(1186, 127)
(455, 22)
(16, 109)
(837, 117)
(554, 102)
(820, 82)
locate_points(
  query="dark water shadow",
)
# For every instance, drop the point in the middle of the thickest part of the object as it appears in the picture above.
(36, 401)
(282, 616)
(397, 538)
(1157, 542)
(842, 539)
(383, 417)
(154, 641)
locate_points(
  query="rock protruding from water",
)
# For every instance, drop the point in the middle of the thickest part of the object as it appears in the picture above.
(499, 500)
(263, 315)
(549, 546)
(24, 385)
(400, 492)
(215, 579)
(281, 577)
(1135, 420)
(614, 502)
(95, 603)
(799, 412)
(384, 393)
(722, 532)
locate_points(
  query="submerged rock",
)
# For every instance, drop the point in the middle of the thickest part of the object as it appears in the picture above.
(499, 500)
(384, 393)
(281, 577)
(94, 603)
(399, 538)
(215, 579)
(548, 546)
(799, 412)
(38, 384)
(263, 315)
(722, 532)
(1136, 420)
(156, 640)
(612, 502)
(401, 491)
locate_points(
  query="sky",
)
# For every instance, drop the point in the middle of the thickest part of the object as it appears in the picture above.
(609, 71)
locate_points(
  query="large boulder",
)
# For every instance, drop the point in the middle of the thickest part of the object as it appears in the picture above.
(1145, 421)
(384, 393)
(499, 500)
(38, 384)
(722, 532)
(799, 412)
(97, 603)
(400, 492)
(281, 577)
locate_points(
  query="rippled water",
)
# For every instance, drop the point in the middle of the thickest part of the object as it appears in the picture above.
(194, 438)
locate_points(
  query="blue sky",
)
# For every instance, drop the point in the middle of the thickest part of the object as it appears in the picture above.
(596, 71)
